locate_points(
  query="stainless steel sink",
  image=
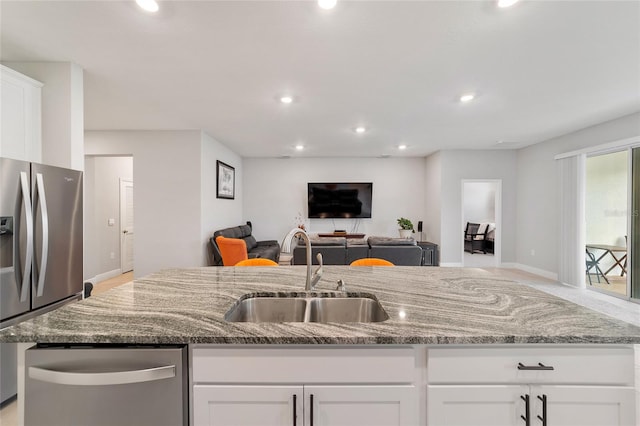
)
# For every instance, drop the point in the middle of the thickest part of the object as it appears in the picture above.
(268, 309)
(345, 309)
(307, 309)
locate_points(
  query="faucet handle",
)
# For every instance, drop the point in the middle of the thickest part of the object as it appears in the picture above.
(319, 257)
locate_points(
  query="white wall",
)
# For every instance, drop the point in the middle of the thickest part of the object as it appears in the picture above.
(479, 202)
(218, 213)
(275, 192)
(474, 164)
(538, 181)
(167, 194)
(432, 198)
(62, 111)
(102, 202)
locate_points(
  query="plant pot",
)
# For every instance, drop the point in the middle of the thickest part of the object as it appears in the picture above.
(405, 233)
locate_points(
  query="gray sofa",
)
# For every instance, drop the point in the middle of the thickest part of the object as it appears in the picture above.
(269, 249)
(343, 251)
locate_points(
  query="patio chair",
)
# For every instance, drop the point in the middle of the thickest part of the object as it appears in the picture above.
(592, 263)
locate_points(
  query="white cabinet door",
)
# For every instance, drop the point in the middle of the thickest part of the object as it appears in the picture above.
(583, 405)
(20, 116)
(476, 405)
(361, 406)
(247, 405)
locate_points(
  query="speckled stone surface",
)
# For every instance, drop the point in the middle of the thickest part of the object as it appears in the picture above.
(425, 305)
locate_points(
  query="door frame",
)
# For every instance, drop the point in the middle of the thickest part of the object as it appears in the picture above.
(497, 249)
(123, 184)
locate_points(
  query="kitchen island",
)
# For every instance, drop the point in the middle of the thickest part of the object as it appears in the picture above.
(456, 337)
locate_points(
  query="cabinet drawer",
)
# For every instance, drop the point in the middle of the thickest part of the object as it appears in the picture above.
(571, 365)
(304, 365)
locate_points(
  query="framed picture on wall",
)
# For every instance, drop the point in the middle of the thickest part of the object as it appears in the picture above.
(226, 185)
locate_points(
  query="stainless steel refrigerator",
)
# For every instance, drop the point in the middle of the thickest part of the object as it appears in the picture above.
(40, 241)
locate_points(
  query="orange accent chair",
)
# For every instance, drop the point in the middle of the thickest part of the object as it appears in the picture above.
(371, 261)
(233, 250)
(257, 261)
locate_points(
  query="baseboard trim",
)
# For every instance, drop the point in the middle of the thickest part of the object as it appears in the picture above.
(531, 270)
(105, 276)
(451, 264)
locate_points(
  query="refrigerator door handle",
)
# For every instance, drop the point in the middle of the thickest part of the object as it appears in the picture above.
(45, 234)
(26, 200)
(102, 379)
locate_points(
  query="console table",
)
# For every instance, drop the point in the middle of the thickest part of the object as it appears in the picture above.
(340, 234)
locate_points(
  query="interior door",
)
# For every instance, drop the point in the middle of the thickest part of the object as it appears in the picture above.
(126, 225)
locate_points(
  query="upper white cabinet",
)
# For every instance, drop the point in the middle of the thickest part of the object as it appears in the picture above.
(20, 116)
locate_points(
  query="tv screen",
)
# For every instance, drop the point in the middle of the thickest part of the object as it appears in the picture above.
(339, 200)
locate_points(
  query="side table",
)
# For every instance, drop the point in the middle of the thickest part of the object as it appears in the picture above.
(430, 254)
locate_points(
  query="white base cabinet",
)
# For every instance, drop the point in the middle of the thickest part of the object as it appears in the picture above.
(304, 405)
(547, 405)
(362, 386)
(470, 385)
(541, 386)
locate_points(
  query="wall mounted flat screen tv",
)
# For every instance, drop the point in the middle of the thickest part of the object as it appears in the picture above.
(340, 200)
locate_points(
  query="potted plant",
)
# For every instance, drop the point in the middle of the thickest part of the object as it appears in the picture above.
(406, 227)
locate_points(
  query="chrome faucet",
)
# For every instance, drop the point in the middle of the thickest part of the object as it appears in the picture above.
(311, 281)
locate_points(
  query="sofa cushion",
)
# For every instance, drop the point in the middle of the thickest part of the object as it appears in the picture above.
(251, 242)
(399, 255)
(387, 241)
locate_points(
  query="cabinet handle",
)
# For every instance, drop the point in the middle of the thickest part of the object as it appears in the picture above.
(295, 403)
(539, 367)
(525, 398)
(311, 410)
(543, 419)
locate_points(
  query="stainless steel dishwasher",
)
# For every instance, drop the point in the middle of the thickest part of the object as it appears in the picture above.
(106, 385)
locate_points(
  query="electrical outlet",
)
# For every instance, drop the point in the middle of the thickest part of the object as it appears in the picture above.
(533, 252)
(113, 255)
(111, 222)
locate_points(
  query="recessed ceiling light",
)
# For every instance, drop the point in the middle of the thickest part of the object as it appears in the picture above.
(468, 97)
(299, 147)
(506, 3)
(148, 5)
(286, 99)
(401, 147)
(327, 4)
(360, 129)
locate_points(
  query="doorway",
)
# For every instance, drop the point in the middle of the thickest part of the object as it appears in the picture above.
(103, 224)
(126, 225)
(482, 204)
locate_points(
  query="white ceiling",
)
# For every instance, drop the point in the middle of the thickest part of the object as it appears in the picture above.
(540, 69)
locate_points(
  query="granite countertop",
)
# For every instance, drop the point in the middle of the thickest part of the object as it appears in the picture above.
(425, 305)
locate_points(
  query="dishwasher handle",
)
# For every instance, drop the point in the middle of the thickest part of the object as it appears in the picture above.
(102, 379)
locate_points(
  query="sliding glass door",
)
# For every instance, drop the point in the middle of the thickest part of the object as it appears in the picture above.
(634, 241)
(607, 220)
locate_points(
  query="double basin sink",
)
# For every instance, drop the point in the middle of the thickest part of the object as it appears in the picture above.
(293, 307)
